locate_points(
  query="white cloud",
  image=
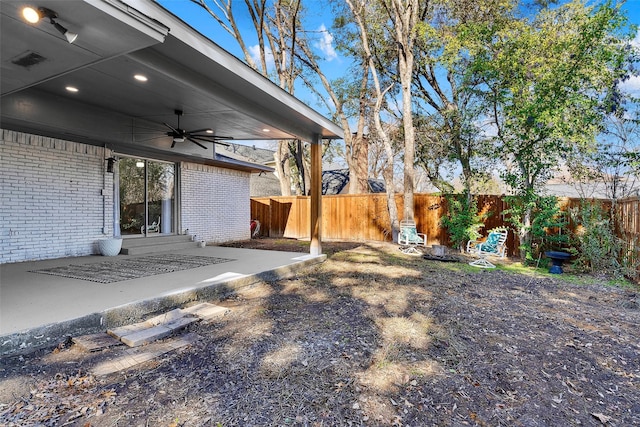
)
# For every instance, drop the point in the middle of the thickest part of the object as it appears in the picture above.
(254, 51)
(631, 86)
(636, 41)
(326, 44)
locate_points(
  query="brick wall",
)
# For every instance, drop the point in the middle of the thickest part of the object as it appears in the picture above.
(51, 204)
(215, 203)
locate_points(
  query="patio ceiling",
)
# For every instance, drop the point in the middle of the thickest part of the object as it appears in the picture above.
(117, 40)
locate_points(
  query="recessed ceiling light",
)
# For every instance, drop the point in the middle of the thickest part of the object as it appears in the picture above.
(266, 130)
(31, 15)
(71, 89)
(140, 78)
(209, 131)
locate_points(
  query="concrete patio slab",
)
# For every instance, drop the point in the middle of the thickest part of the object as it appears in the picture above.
(40, 310)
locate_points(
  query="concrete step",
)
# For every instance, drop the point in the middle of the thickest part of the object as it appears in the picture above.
(139, 246)
(154, 240)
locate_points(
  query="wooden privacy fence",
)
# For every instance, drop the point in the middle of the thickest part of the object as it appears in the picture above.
(364, 217)
(629, 224)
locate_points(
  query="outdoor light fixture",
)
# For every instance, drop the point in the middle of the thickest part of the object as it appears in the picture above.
(31, 15)
(34, 15)
(111, 161)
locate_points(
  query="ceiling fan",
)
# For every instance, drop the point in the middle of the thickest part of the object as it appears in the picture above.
(195, 136)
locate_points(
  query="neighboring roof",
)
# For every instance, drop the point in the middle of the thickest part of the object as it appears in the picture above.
(336, 182)
(589, 190)
(264, 185)
(242, 162)
(252, 153)
(117, 39)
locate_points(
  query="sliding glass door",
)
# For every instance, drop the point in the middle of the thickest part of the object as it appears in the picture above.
(147, 197)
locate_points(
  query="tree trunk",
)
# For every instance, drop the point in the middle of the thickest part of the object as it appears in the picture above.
(282, 167)
(405, 17)
(359, 165)
(392, 208)
(525, 232)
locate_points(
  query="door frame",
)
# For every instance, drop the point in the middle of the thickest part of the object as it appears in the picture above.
(175, 217)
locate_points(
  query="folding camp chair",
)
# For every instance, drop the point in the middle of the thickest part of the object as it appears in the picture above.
(153, 227)
(409, 239)
(494, 245)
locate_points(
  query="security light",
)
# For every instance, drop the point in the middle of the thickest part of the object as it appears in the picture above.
(33, 16)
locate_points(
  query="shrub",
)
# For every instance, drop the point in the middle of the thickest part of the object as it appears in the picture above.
(546, 228)
(599, 250)
(463, 222)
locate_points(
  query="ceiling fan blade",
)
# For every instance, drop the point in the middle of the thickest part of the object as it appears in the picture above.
(212, 140)
(196, 142)
(211, 137)
(172, 128)
(173, 143)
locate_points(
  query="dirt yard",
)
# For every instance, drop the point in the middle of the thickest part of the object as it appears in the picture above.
(370, 337)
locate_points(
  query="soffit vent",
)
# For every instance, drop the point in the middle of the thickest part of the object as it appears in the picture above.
(28, 59)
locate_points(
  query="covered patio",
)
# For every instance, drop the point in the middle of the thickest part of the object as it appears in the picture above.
(41, 310)
(104, 100)
(134, 84)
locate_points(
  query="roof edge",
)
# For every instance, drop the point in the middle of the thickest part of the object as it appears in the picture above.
(133, 17)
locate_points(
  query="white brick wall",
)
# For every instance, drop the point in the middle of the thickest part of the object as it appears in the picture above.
(51, 204)
(50, 197)
(215, 203)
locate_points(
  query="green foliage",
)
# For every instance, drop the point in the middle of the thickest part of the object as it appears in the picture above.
(548, 79)
(599, 249)
(540, 223)
(463, 220)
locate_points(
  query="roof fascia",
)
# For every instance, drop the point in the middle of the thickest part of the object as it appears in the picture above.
(132, 17)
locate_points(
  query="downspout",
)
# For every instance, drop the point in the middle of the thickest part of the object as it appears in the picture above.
(103, 190)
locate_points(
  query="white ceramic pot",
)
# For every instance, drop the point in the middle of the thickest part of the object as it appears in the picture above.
(110, 247)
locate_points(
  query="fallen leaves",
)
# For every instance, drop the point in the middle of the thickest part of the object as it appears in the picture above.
(601, 417)
(438, 346)
(60, 401)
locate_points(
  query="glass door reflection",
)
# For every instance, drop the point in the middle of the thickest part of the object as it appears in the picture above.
(147, 197)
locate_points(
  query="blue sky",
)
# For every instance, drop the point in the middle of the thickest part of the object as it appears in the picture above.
(320, 19)
(633, 13)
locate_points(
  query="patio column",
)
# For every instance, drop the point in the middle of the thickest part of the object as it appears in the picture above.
(316, 195)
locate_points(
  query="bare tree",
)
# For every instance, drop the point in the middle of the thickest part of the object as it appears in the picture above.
(611, 170)
(276, 26)
(404, 16)
(359, 10)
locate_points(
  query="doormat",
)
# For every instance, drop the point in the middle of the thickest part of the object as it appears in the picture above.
(127, 269)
